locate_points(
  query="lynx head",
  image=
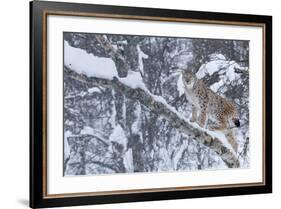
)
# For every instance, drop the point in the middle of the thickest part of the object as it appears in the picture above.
(188, 77)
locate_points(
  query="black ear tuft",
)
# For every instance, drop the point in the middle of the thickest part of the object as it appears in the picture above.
(237, 122)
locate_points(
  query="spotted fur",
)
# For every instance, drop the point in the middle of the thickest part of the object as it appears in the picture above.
(210, 105)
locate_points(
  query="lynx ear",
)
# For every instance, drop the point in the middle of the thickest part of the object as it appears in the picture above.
(190, 68)
(184, 71)
(193, 71)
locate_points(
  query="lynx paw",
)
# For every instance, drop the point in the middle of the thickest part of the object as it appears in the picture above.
(193, 120)
(212, 128)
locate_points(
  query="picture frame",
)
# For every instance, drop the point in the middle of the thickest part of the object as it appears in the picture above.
(47, 19)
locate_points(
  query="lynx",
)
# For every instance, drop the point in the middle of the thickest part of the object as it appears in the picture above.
(210, 105)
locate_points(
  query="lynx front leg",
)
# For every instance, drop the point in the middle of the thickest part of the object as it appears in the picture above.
(194, 114)
(202, 117)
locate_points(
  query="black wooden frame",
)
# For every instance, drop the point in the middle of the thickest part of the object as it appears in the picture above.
(38, 104)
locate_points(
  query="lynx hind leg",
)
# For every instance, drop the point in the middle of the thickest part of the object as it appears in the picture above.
(221, 125)
(231, 139)
(193, 114)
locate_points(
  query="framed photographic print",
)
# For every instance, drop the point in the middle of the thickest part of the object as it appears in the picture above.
(139, 104)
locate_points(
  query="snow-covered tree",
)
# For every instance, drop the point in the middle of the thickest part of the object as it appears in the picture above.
(124, 108)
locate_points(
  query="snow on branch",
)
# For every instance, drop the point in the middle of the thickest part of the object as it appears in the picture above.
(159, 106)
(121, 64)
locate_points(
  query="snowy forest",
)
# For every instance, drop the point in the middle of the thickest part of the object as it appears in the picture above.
(125, 110)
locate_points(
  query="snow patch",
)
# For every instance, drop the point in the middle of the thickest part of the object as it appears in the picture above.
(94, 89)
(95, 133)
(141, 56)
(219, 135)
(118, 136)
(225, 69)
(215, 87)
(209, 68)
(66, 145)
(217, 57)
(113, 109)
(137, 123)
(216, 134)
(133, 80)
(128, 161)
(179, 153)
(180, 85)
(92, 66)
(87, 130)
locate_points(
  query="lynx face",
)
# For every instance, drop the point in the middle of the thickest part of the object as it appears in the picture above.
(188, 77)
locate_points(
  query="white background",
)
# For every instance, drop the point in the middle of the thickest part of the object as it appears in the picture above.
(14, 106)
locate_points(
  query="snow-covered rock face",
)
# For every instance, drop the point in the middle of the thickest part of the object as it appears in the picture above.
(106, 132)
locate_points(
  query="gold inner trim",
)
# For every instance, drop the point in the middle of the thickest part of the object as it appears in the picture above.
(134, 17)
(44, 101)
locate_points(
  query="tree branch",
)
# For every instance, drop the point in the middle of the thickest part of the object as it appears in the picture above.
(121, 65)
(159, 106)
